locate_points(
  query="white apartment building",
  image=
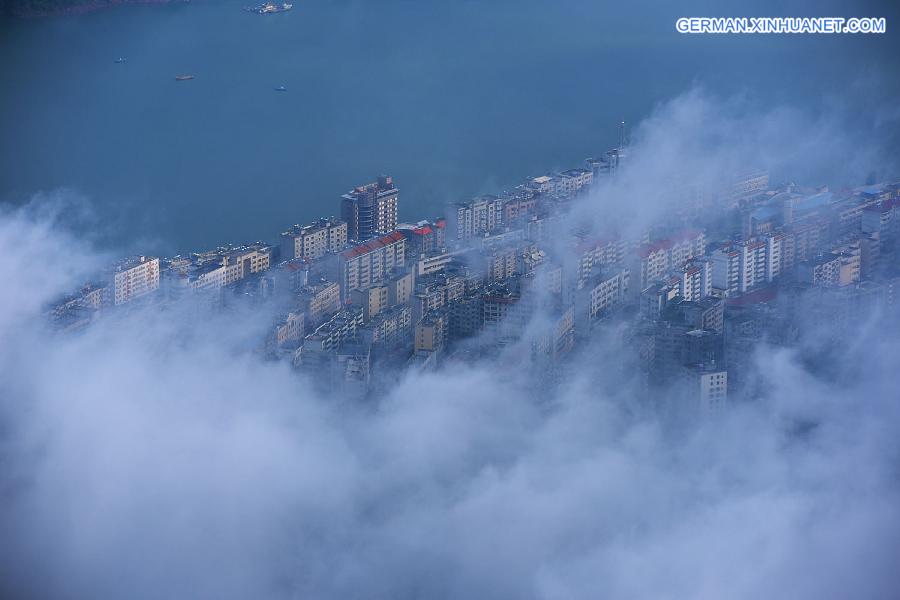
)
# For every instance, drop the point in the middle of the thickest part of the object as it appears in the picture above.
(134, 278)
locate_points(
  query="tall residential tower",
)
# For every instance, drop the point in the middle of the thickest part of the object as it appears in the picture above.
(370, 209)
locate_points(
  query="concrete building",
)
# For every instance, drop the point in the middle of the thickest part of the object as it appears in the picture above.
(424, 237)
(466, 316)
(741, 266)
(851, 260)
(677, 345)
(371, 263)
(606, 165)
(435, 263)
(747, 185)
(289, 330)
(775, 243)
(882, 218)
(345, 369)
(372, 300)
(595, 253)
(869, 254)
(436, 291)
(656, 297)
(602, 292)
(397, 290)
(708, 314)
(573, 181)
(695, 279)
(320, 301)
(824, 269)
(653, 261)
(401, 286)
(501, 238)
(708, 385)
(218, 268)
(556, 338)
(391, 328)
(339, 329)
(370, 210)
(432, 332)
(315, 240)
(134, 278)
(502, 262)
(475, 218)
(497, 302)
(518, 206)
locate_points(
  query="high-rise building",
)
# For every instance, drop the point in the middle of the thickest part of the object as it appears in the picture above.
(370, 209)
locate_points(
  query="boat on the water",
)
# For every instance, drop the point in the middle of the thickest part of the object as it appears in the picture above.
(183, 77)
(121, 59)
(270, 8)
(281, 88)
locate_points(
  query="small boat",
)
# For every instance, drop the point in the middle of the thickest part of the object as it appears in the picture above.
(183, 77)
(281, 88)
(121, 59)
(268, 8)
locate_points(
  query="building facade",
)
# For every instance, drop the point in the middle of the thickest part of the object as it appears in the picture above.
(134, 278)
(371, 209)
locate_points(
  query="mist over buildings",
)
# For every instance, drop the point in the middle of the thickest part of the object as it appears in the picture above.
(158, 454)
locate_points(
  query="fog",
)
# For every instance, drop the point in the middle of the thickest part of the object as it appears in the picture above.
(157, 455)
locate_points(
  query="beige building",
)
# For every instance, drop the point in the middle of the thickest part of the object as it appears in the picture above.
(371, 263)
(134, 278)
(391, 327)
(320, 301)
(219, 268)
(314, 241)
(289, 331)
(401, 287)
(372, 300)
(431, 332)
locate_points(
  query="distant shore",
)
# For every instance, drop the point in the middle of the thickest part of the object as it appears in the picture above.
(75, 7)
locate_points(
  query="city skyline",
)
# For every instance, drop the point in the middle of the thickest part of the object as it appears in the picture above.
(667, 368)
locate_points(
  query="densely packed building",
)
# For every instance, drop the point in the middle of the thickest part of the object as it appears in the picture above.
(515, 275)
